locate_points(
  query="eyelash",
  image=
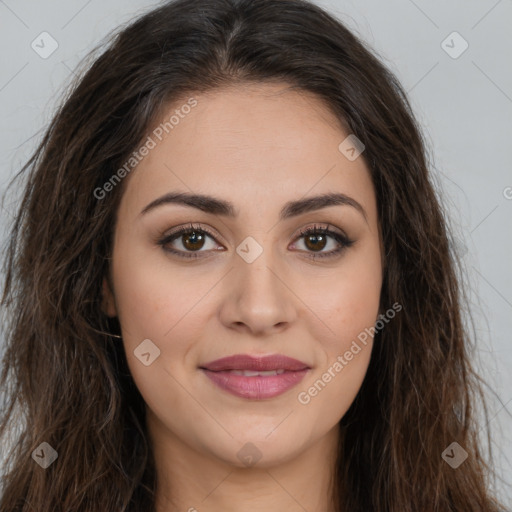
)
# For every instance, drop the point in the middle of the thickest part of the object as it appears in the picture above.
(344, 241)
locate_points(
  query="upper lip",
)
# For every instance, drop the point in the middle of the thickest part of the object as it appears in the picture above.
(255, 363)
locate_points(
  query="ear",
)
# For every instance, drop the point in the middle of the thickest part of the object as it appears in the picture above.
(108, 304)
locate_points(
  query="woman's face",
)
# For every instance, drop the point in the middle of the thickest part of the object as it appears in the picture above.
(252, 284)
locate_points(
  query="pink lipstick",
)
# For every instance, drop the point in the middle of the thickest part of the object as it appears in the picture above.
(256, 377)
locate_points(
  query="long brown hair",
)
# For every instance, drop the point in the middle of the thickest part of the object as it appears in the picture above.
(66, 379)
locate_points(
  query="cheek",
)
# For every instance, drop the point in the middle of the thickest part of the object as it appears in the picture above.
(351, 313)
(154, 305)
(350, 298)
(331, 392)
(163, 306)
(349, 306)
(141, 300)
(152, 299)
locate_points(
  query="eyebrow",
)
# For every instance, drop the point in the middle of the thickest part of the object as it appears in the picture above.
(224, 208)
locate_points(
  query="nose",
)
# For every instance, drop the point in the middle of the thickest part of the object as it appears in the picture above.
(259, 298)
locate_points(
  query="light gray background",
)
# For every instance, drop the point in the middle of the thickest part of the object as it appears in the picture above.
(464, 105)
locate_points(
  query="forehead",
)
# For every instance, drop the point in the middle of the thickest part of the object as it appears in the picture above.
(262, 143)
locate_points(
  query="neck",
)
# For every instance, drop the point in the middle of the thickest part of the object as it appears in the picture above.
(190, 481)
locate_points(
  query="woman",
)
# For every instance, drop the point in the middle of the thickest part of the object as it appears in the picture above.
(230, 282)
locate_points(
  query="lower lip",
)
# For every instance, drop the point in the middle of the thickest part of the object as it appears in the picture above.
(257, 387)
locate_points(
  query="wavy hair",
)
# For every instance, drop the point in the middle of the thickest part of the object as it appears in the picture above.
(66, 380)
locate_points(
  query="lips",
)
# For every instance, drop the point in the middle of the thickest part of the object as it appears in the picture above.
(255, 363)
(256, 377)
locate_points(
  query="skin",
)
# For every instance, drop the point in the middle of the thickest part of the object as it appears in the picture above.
(257, 146)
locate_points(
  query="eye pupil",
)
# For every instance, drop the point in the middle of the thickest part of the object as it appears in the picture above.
(196, 237)
(315, 238)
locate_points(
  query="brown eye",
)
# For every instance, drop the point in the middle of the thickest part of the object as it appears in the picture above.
(193, 240)
(188, 242)
(317, 238)
(316, 242)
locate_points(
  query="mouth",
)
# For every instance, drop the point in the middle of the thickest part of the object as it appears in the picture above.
(255, 377)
